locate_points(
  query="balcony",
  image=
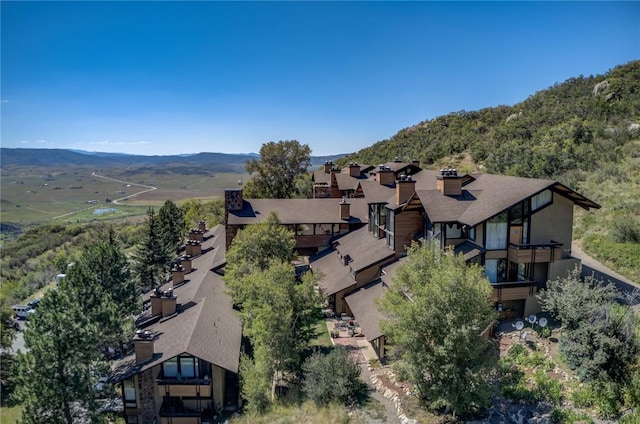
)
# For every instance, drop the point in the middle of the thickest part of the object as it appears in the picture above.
(513, 291)
(184, 387)
(176, 410)
(534, 253)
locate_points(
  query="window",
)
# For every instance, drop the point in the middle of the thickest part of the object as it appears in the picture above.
(541, 199)
(132, 419)
(454, 231)
(495, 269)
(129, 393)
(437, 233)
(497, 232)
(170, 367)
(184, 366)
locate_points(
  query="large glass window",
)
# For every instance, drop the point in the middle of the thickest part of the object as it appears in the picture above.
(495, 270)
(497, 232)
(541, 199)
(184, 366)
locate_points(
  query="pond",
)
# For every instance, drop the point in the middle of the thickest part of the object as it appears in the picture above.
(101, 211)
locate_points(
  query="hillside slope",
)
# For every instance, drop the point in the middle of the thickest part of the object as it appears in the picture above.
(584, 132)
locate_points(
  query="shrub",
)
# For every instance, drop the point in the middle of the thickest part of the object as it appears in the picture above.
(583, 397)
(332, 377)
(547, 388)
(562, 415)
(626, 229)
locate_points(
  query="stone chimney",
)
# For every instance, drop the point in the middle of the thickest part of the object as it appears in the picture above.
(177, 274)
(185, 262)
(405, 187)
(449, 183)
(143, 345)
(202, 226)
(334, 181)
(169, 303)
(233, 199)
(345, 209)
(328, 166)
(354, 169)
(385, 175)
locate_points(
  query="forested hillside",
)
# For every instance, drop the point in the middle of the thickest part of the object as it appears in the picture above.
(584, 132)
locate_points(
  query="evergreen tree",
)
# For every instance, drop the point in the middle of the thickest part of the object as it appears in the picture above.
(151, 257)
(172, 226)
(54, 379)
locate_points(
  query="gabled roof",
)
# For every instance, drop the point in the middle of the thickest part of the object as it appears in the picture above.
(335, 276)
(375, 192)
(346, 182)
(319, 176)
(485, 195)
(298, 211)
(363, 302)
(363, 248)
(205, 325)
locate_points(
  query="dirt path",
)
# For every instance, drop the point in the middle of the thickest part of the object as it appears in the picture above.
(116, 201)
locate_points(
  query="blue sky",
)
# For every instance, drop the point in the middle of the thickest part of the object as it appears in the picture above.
(186, 77)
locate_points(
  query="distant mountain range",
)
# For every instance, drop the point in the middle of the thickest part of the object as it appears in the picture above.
(219, 162)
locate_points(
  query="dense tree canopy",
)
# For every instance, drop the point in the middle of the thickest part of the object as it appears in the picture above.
(437, 307)
(275, 174)
(278, 309)
(253, 249)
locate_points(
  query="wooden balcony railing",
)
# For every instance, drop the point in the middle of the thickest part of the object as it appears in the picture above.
(184, 388)
(534, 253)
(513, 291)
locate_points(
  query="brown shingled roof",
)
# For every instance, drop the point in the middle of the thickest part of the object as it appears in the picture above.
(363, 248)
(298, 211)
(205, 324)
(485, 196)
(363, 302)
(335, 276)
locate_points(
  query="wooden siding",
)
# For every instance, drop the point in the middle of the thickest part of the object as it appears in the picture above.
(534, 254)
(312, 241)
(407, 225)
(513, 293)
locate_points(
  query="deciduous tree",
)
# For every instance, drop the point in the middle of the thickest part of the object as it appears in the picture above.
(437, 307)
(274, 174)
(253, 249)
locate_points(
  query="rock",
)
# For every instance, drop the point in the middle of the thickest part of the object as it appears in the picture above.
(513, 116)
(632, 128)
(600, 87)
